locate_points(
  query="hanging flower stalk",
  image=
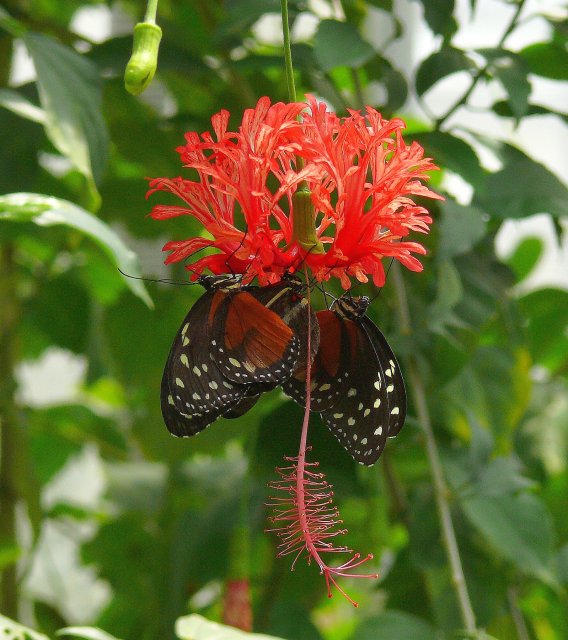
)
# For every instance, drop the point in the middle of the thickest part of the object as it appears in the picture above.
(305, 518)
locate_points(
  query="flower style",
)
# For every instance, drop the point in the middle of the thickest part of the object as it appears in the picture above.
(358, 170)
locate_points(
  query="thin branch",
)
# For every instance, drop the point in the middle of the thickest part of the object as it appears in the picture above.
(482, 72)
(440, 488)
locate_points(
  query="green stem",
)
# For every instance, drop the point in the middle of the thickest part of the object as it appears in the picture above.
(482, 72)
(441, 491)
(9, 320)
(288, 52)
(151, 11)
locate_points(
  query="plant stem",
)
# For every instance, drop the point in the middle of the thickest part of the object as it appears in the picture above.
(151, 11)
(440, 488)
(9, 318)
(288, 52)
(482, 72)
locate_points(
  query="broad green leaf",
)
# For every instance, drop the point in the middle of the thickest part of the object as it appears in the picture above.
(452, 153)
(17, 104)
(88, 633)
(525, 257)
(395, 625)
(522, 188)
(438, 15)
(511, 71)
(518, 528)
(439, 65)
(381, 70)
(196, 627)
(339, 44)
(47, 211)
(546, 312)
(10, 630)
(460, 229)
(70, 93)
(546, 59)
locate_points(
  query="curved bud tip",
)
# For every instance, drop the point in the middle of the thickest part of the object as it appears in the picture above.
(143, 62)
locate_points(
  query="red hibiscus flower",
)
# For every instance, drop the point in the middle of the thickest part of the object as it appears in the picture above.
(358, 171)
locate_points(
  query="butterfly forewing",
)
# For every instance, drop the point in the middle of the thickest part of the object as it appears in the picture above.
(263, 334)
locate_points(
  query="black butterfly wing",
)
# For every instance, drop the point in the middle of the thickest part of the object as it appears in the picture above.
(328, 379)
(181, 423)
(253, 342)
(359, 419)
(194, 391)
(395, 389)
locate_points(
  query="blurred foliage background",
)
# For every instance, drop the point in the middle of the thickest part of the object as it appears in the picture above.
(105, 520)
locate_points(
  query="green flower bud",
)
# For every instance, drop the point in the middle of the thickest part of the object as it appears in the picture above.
(143, 62)
(303, 217)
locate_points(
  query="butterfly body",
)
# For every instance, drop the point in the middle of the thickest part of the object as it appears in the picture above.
(356, 383)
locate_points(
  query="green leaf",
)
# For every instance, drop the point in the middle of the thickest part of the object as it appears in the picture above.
(70, 94)
(546, 312)
(89, 633)
(10, 630)
(196, 627)
(511, 71)
(438, 15)
(546, 59)
(17, 104)
(395, 625)
(439, 65)
(518, 528)
(460, 229)
(339, 44)
(454, 154)
(525, 257)
(522, 188)
(380, 70)
(47, 211)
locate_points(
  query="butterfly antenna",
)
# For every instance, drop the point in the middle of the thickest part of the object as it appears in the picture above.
(181, 283)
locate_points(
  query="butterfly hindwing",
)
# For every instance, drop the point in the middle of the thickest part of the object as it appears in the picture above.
(356, 383)
(328, 378)
(194, 391)
(395, 389)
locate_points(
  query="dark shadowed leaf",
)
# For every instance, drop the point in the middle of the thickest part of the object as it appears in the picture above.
(439, 65)
(453, 153)
(511, 71)
(460, 229)
(339, 44)
(522, 188)
(439, 16)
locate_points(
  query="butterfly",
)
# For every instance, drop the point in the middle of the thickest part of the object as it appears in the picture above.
(235, 343)
(356, 382)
